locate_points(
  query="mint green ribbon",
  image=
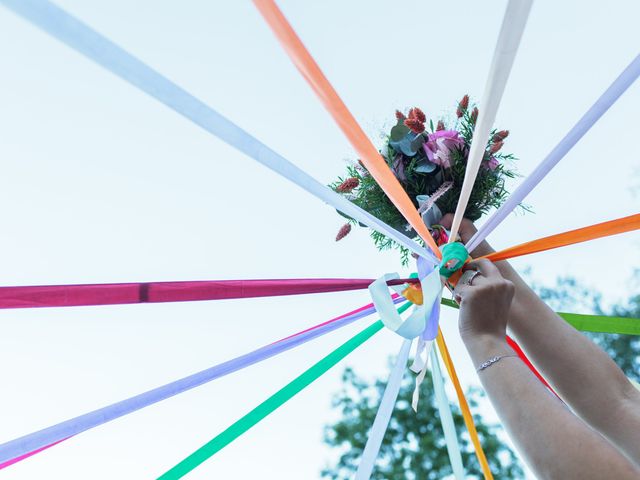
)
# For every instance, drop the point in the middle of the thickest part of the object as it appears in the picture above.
(273, 402)
(454, 255)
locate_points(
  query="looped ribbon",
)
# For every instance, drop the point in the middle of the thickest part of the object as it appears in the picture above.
(424, 319)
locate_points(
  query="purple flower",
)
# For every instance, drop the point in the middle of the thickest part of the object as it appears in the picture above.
(398, 168)
(492, 163)
(439, 146)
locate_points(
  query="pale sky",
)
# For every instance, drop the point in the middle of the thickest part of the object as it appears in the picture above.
(101, 183)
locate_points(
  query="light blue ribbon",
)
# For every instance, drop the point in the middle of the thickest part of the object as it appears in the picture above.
(449, 428)
(383, 416)
(103, 51)
(608, 98)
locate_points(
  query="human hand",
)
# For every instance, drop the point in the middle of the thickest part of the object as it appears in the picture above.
(467, 230)
(484, 302)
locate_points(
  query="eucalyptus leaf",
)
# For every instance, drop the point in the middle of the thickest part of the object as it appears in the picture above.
(409, 144)
(399, 131)
(344, 215)
(417, 142)
(425, 166)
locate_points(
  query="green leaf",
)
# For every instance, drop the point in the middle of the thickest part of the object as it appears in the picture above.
(399, 131)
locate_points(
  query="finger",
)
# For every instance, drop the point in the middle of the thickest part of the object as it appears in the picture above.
(485, 267)
(464, 289)
(447, 221)
(460, 291)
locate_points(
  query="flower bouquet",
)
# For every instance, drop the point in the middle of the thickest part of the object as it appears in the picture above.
(430, 163)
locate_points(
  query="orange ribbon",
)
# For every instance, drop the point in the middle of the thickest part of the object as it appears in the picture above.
(599, 230)
(368, 153)
(464, 406)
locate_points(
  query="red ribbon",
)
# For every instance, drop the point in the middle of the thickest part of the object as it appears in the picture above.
(528, 363)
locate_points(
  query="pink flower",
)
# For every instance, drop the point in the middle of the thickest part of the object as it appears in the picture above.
(439, 146)
(343, 232)
(462, 106)
(439, 234)
(495, 148)
(417, 114)
(348, 185)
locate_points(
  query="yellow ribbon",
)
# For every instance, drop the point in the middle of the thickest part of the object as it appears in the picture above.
(464, 406)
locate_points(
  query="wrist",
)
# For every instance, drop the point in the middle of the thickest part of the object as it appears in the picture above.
(483, 346)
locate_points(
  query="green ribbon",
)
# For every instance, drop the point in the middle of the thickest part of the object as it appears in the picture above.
(602, 323)
(589, 323)
(453, 257)
(273, 402)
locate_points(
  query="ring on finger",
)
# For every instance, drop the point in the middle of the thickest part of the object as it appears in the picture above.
(467, 276)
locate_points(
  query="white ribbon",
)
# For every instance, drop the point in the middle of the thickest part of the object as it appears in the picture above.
(449, 428)
(104, 52)
(515, 19)
(416, 322)
(383, 416)
(419, 366)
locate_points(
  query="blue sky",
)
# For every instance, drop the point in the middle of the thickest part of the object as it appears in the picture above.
(100, 183)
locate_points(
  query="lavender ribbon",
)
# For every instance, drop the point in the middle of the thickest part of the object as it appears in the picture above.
(608, 98)
(42, 438)
(425, 267)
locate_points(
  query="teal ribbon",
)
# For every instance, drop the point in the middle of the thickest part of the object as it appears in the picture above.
(454, 255)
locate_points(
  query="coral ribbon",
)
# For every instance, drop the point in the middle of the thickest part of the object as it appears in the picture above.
(599, 230)
(79, 36)
(464, 407)
(372, 159)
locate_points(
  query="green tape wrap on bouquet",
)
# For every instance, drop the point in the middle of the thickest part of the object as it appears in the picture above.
(454, 255)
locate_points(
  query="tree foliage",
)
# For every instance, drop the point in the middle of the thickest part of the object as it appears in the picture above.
(413, 446)
(569, 295)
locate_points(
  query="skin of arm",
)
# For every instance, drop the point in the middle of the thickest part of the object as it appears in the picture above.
(579, 371)
(555, 443)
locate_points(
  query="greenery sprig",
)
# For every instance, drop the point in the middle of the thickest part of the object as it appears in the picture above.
(422, 158)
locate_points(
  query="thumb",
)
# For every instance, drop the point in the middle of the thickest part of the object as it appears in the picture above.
(447, 221)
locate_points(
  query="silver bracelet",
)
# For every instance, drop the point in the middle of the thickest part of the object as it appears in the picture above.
(493, 360)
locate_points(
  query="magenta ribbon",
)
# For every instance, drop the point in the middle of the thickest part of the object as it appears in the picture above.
(158, 292)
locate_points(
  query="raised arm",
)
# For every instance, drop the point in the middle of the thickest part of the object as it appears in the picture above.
(580, 372)
(555, 443)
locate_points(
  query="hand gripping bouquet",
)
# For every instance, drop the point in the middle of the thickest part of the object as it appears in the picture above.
(430, 162)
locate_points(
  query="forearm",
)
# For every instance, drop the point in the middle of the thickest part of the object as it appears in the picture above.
(555, 443)
(570, 362)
